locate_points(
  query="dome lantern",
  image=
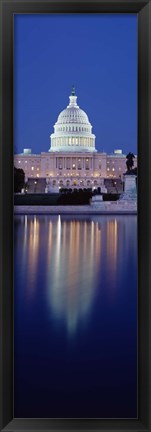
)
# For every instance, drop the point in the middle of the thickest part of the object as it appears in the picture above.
(73, 99)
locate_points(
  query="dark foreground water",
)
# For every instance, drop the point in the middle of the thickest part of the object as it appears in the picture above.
(75, 300)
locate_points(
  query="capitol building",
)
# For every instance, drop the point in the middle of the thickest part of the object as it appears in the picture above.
(72, 160)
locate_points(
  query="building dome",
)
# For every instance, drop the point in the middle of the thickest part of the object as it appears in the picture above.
(73, 114)
(72, 131)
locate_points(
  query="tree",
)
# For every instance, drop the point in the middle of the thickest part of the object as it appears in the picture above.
(19, 179)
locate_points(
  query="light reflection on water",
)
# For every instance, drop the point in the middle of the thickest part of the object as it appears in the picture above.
(75, 299)
(75, 250)
(71, 271)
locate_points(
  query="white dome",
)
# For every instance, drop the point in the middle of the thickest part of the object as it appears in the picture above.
(72, 131)
(73, 115)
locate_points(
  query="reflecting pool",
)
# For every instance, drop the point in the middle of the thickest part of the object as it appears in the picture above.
(75, 308)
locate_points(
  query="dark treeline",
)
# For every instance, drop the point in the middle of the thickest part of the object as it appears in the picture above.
(65, 197)
(19, 179)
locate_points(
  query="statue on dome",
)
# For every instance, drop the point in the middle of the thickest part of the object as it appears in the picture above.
(73, 90)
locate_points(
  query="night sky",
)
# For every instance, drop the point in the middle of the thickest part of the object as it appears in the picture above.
(96, 53)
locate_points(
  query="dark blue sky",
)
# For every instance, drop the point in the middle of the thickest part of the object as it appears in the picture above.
(96, 53)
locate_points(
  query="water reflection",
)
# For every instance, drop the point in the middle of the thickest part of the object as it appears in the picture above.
(71, 269)
(33, 241)
(75, 326)
(69, 255)
(112, 248)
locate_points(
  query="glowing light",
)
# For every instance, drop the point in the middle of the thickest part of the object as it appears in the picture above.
(118, 151)
(72, 258)
(112, 246)
(33, 253)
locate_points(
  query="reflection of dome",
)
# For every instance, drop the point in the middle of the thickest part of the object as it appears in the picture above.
(74, 249)
(73, 131)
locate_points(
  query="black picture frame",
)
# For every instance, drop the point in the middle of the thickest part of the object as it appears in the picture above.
(7, 10)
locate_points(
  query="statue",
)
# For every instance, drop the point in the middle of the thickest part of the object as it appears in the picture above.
(73, 90)
(130, 180)
(130, 163)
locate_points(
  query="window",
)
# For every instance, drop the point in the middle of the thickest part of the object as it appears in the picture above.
(68, 163)
(87, 164)
(32, 168)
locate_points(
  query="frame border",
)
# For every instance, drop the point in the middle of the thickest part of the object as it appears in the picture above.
(7, 10)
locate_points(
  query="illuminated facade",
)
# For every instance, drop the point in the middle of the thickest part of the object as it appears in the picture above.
(72, 160)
